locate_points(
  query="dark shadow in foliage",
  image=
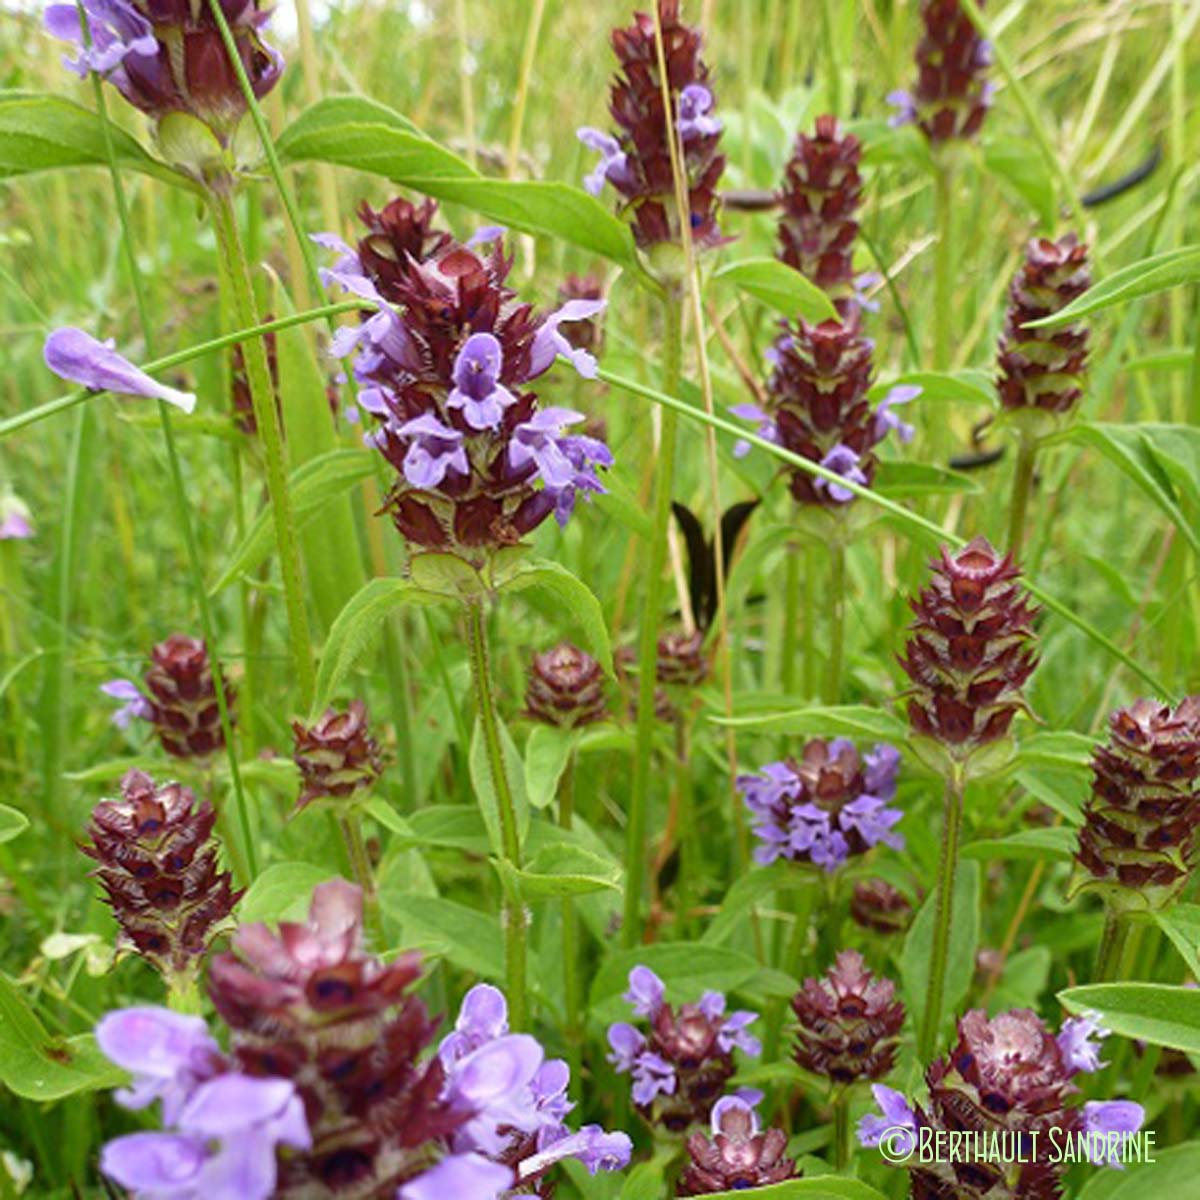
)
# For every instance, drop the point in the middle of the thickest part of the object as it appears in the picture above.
(702, 556)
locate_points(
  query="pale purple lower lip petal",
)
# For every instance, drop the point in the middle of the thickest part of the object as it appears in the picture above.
(77, 356)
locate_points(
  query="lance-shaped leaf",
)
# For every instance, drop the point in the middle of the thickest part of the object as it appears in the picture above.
(781, 287)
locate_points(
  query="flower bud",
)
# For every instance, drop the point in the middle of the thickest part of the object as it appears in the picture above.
(566, 688)
(878, 906)
(336, 755)
(737, 1155)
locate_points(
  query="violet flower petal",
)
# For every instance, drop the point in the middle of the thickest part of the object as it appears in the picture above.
(77, 356)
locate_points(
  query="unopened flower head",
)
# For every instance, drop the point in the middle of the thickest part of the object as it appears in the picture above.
(849, 1022)
(971, 650)
(952, 93)
(75, 355)
(1138, 842)
(168, 59)
(1043, 369)
(828, 805)
(336, 755)
(636, 160)
(157, 862)
(876, 905)
(681, 1064)
(443, 363)
(737, 1155)
(179, 700)
(566, 688)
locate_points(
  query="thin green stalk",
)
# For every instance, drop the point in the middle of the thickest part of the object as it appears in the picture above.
(833, 66)
(64, 403)
(1021, 490)
(266, 415)
(514, 915)
(528, 55)
(837, 620)
(840, 1102)
(573, 1004)
(183, 993)
(943, 915)
(350, 825)
(1194, 396)
(791, 621)
(808, 648)
(664, 477)
(944, 301)
(1112, 948)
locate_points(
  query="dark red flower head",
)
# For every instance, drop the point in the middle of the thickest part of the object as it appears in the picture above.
(157, 863)
(737, 1156)
(566, 688)
(971, 650)
(182, 693)
(336, 755)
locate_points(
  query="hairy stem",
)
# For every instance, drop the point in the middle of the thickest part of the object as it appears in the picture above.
(635, 854)
(943, 918)
(1021, 490)
(791, 621)
(266, 415)
(841, 1129)
(1112, 948)
(514, 914)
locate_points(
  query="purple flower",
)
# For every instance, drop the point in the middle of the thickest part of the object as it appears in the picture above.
(869, 816)
(882, 762)
(613, 165)
(1113, 1121)
(461, 1176)
(767, 429)
(477, 387)
(548, 344)
(115, 30)
(592, 1146)
(493, 1084)
(886, 420)
(169, 1055)
(482, 1018)
(774, 783)
(646, 992)
(1079, 1052)
(695, 103)
(136, 706)
(627, 1043)
(734, 1104)
(652, 1076)
(434, 450)
(564, 463)
(79, 357)
(829, 850)
(897, 1124)
(844, 462)
(732, 1034)
(14, 518)
(906, 108)
(224, 1145)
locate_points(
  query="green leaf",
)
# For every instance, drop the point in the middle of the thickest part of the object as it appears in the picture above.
(12, 823)
(36, 1065)
(964, 940)
(847, 720)
(282, 892)
(1132, 451)
(782, 287)
(645, 1181)
(688, 969)
(570, 596)
(547, 753)
(821, 1187)
(315, 487)
(451, 826)
(901, 479)
(1023, 981)
(334, 111)
(1150, 1012)
(1155, 274)
(1174, 1174)
(356, 627)
(959, 387)
(46, 133)
(884, 143)
(1026, 174)
(564, 869)
(466, 937)
(750, 887)
(1052, 844)
(1063, 749)
(485, 792)
(1181, 924)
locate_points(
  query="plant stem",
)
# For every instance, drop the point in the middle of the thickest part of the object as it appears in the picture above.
(360, 863)
(808, 650)
(664, 476)
(1112, 947)
(791, 621)
(266, 415)
(572, 991)
(528, 55)
(837, 620)
(943, 917)
(1022, 487)
(833, 67)
(841, 1129)
(514, 913)
(943, 282)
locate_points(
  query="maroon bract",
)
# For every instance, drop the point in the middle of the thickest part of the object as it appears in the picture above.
(308, 1004)
(157, 863)
(566, 688)
(737, 1156)
(849, 1022)
(878, 906)
(681, 660)
(336, 755)
(1044, 368)
(971, 650)
(1137, 845)
(183, 694)
(820, 197)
